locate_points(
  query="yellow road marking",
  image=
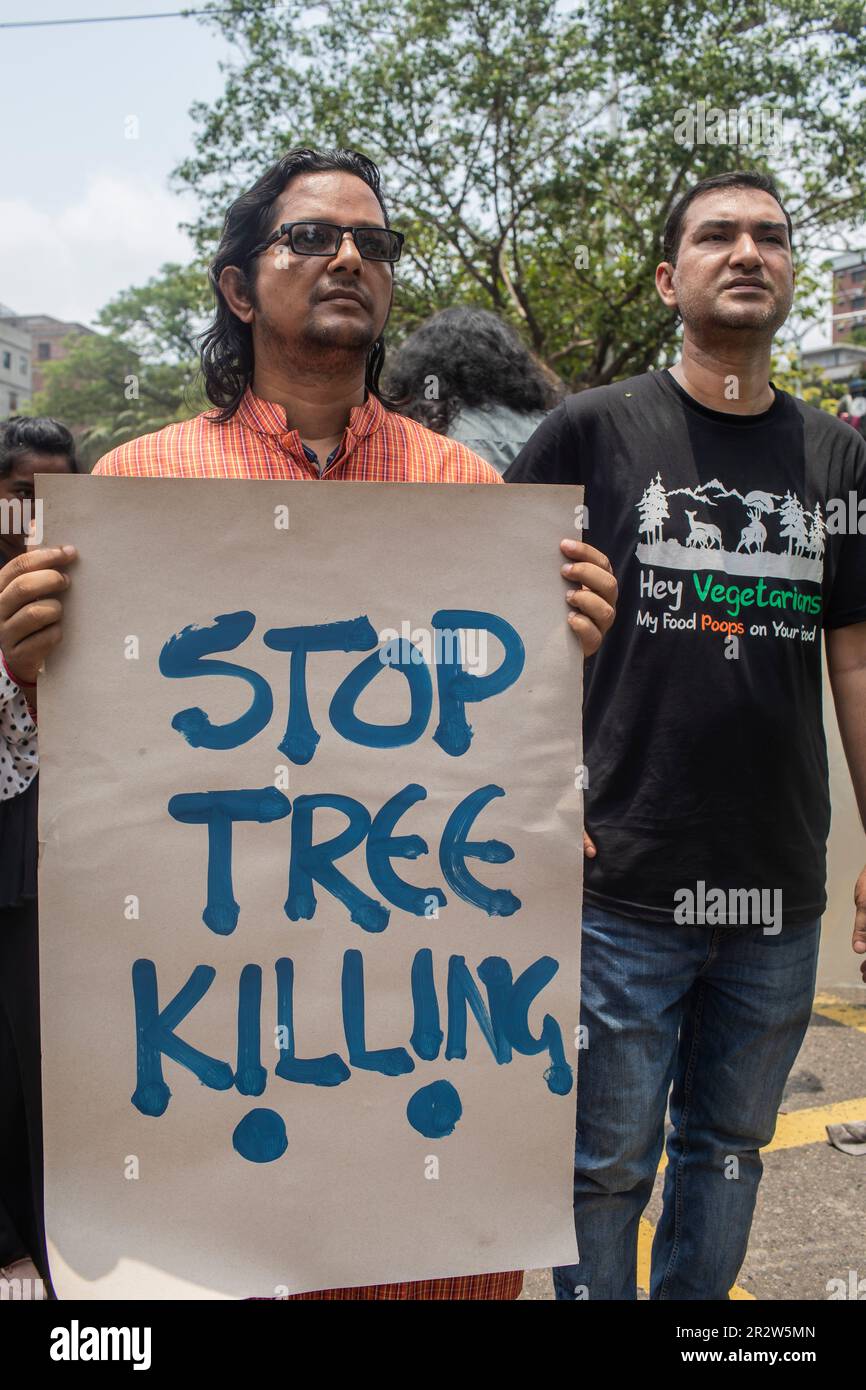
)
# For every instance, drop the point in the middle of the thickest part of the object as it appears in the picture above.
(644, 1247)
(852, 1015)
(809, 1126)
(645, 1235)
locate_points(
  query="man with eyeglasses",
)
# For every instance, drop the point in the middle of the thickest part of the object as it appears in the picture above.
(303, 279)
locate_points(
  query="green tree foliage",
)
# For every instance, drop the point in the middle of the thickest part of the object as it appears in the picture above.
(140, 372)
(532, 149)
(163, 318)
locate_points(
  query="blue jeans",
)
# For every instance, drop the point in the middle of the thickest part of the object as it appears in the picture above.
(718, 1014)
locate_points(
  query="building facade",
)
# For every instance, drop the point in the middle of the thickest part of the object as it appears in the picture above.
(16, 387)
(49, 341)
(840, 362)
(849, 294)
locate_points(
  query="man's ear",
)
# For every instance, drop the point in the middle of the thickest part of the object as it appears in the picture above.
(237, 292)
(665, 285)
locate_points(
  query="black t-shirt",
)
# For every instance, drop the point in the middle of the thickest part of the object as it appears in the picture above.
(734, 540)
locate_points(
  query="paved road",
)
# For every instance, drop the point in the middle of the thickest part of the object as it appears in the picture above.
(810, 1222)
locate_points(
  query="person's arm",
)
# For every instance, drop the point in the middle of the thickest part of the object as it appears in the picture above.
(26, 689)
(19, 758)
(846, 664)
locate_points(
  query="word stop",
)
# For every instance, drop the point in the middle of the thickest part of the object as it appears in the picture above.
(190, 653)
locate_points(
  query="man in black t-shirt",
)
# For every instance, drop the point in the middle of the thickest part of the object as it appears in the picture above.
(735, 520)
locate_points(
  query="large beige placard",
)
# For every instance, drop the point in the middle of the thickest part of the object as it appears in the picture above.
(222, 1178)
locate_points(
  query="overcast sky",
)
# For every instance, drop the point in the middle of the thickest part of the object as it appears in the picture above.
(84, 210)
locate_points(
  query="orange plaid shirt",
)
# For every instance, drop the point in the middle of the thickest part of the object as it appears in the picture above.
(377, 446)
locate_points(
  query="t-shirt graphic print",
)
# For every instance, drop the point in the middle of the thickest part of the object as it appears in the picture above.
(779, 539)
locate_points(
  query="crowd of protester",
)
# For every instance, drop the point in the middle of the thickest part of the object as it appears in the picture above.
(293, 365)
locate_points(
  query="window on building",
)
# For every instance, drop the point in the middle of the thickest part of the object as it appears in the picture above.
(859, 301)
(22, 365)
(44, 351)
(7, 360)
(13, 402)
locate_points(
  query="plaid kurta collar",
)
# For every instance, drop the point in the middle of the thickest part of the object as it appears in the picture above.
(268, 419)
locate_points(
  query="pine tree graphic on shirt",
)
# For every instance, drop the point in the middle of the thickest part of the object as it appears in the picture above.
(817, 530)
(653, 510)
(756, 533)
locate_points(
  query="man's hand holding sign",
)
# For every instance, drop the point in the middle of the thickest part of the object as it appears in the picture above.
(329, 897)
(31, 612)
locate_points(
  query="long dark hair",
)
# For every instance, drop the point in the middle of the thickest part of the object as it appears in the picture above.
(227, 346)
(474, 358)
(36, 434)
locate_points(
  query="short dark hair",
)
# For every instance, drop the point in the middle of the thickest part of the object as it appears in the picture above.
(37, 434)
(740, 178)
(227, 345)
(477, 358)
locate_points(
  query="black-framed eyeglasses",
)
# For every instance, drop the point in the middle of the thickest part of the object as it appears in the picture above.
(326, 238)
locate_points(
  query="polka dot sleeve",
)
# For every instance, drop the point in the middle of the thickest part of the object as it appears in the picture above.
(19, 758)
